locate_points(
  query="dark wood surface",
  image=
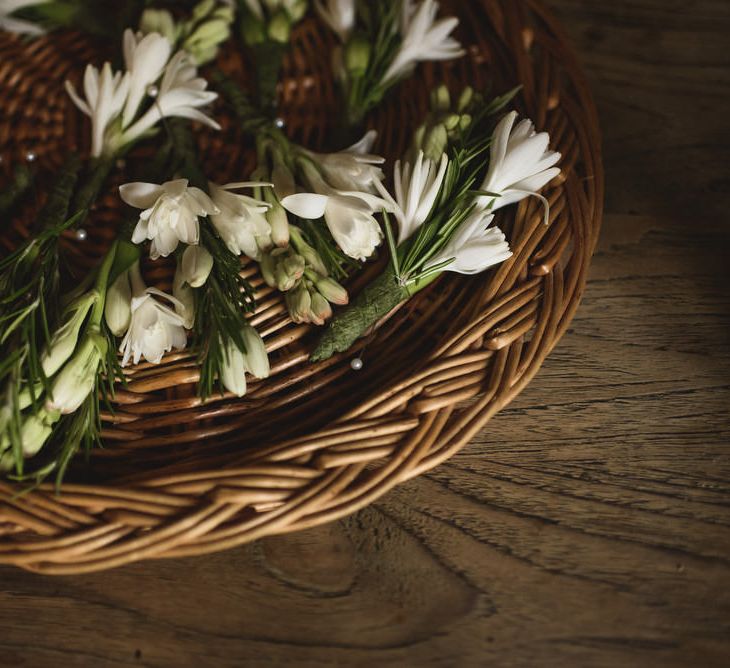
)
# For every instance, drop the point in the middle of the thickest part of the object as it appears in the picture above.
(588, 526)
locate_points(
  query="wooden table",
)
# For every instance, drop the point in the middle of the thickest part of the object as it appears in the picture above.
(588, 526)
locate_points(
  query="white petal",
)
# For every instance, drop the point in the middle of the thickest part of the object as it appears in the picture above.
(306, 205)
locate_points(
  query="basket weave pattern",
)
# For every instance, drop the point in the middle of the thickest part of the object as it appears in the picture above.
(313, 442)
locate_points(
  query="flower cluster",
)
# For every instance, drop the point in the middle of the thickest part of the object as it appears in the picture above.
(383, 45)
(271, 19)
(200, 35)
(126, 106)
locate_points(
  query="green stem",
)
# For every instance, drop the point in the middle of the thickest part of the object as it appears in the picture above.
(55, 210)
(371, 305)
(102, 284)
(96, 175)
(269, 57)
(22, 179)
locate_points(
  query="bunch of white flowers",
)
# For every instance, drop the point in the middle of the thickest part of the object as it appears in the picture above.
(126, 106)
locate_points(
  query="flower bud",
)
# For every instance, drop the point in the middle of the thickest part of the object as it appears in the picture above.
(159, 21)
(297, 10)
(357, 56)
(256, 359)
(36, 429)
(279, 222)
(332, 291)
(435, 143)
(279, 28)
(77, 378)
(233, 371)
(465, 122)
(196, 265)
(203, 43)
(310, 255)
(441, 98)
(184, 298)
(289, 268)
(268, 266)
(118, 305)
(451, 122)
(202, 9)
(321, 309)
(65, 338)
(299, 303)
(465, 99)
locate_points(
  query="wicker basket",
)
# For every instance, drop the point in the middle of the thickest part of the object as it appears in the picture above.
(314, 442)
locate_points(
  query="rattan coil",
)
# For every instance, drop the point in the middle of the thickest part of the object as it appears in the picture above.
(314, 442)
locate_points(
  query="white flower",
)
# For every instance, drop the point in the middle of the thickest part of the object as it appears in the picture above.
(170, 213)
(7, 7)
(348, 214)
(354, 168)
(155, 328)
(240, 220)
(106, 92)
(145, 57)
(424, 38)
(520, 165)
(339, 15)
(180, 95)
(416, 189)
(474, 247)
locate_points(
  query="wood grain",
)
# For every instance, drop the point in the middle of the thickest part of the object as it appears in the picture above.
(589, 526)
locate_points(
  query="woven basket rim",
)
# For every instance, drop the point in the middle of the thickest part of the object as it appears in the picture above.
(392, 435)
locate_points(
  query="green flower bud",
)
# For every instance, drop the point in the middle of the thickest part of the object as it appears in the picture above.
(332, 291)
(202, 9)
(160, 21)
(310, 255)
(321, 309)
(357, 56)
(436, 142)
(66, 337)
(299, 303)
(465, 99)
(77, 378)
(279, 29)
(279, 222)
(297, 9)
(268, 266)
(36, 429)
(256, 360)
(118, 305)
(465, 121)
(441, 98)
(451, 122)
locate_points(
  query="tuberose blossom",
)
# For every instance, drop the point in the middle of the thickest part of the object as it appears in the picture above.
(113, 100)
(339, 15)
(416, 189)
(474, 247)
(241, 220)
(170, 213)
(424, 38)
(145, 57)
(349, 214)
(180, 95)
(355, 168)
(155, 328)
(10, 24)
(106, 92)
(521, 163)
(237, 363)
